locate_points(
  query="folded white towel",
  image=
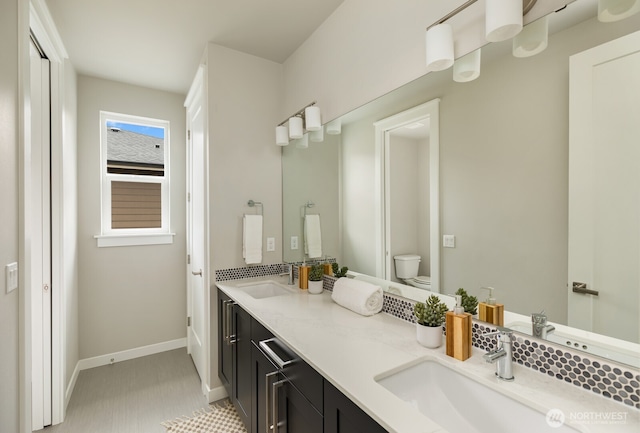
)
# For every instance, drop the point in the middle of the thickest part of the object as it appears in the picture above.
(312, 236)
(252, 239)
(358, 296)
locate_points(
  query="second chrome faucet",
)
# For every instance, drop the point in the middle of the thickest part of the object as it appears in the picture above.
(502, 356)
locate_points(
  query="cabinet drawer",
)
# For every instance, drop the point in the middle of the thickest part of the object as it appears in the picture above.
(300, 374)
(259, 332)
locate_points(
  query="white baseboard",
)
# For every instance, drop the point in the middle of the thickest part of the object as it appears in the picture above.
(71, 386)
(217, 393)
(125, 355)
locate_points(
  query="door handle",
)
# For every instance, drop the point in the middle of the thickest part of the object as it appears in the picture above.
(274, 404)
(231, 338)
(197, 273)
(268, 412)
(582, 288)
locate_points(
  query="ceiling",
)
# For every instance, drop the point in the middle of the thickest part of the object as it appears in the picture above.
(159, 43)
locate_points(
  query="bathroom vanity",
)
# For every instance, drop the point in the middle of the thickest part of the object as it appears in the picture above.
(365, 365)
(270, 385)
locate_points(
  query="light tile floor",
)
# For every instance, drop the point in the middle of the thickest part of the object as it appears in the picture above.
(133, 396)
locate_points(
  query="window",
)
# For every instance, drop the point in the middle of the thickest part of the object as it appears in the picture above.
(135, 180)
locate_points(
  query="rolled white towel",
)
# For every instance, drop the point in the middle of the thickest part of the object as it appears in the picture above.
(358, 296)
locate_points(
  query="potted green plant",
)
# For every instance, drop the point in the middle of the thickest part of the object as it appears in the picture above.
(339, 272)
(430, 316)
(469, 303)
(315, 278)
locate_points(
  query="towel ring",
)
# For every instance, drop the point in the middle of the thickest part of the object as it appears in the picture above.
(252, 203)
(308, 205)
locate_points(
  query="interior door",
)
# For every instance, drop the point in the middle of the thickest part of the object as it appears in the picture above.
(41, 408)
(196, 272)
(604, 189)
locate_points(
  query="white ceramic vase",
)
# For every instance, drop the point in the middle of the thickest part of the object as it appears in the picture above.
(429, 336)
(315, 287)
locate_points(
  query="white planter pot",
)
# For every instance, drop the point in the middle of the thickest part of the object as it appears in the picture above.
(429, 336)
(315, 287)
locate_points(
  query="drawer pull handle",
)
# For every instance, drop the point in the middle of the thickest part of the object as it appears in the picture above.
(264, 345)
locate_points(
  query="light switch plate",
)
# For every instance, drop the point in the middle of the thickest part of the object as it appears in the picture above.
(294, 242)
(11, 276)
(271, 244)
(449, 241)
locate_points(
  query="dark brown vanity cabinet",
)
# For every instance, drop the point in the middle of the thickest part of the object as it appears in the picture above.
(341, 415)
(288, 392)
(273, 390)
(234, 354)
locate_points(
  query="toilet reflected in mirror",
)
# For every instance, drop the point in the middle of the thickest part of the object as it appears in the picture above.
(407, 270)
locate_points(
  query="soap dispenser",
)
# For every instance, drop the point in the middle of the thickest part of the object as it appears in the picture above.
(489, 311)
(303, 275)
(459, 331)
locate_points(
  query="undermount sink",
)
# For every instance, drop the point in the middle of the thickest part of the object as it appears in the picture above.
(460, 404)
(265, 289)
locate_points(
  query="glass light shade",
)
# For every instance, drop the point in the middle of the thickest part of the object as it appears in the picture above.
(282, 135)
(312, 118)
(467, 68)
(616, 10)
(532, 39)
(317, 136)
(334, 127)
(439, 45)
(303, 142)
(503, 19)
(295, 128)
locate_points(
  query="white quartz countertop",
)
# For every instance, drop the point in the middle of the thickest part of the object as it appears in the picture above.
(352, 351)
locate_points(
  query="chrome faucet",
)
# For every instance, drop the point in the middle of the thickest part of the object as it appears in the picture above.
(539, 326)
(289, 273)
(502, 356)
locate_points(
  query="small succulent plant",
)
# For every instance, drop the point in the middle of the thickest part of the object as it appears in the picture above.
(339, 272)
(432, 312)
(316, 272)
(469, 303)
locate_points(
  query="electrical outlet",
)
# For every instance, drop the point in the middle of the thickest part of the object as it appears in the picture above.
(449, 241)
(271, 244)
(11, 276)
(294, 242)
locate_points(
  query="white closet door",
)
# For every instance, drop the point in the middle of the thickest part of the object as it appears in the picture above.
(604, 188)
(41, 239)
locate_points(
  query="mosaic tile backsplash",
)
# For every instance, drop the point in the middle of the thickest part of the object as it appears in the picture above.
(607, 379)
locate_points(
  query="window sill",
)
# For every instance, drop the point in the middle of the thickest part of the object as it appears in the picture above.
(127, 240)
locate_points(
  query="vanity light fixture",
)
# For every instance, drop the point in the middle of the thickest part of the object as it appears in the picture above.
(503, 20)
(295, 127)
(532, 39)
(439, 44)
(282, 135)
(616, 10)
(303, 142)
(317, 136)
(312, 118)
(309, 115)
(334, 127)
(467, 68)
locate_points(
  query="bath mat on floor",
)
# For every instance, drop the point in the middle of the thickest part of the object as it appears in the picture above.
(218, 418)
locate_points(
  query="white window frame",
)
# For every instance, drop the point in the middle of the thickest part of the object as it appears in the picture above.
(110, 237)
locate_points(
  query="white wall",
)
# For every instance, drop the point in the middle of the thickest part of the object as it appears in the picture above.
(128, 296)
(9, 367)
(503, 182)
(244, 162)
